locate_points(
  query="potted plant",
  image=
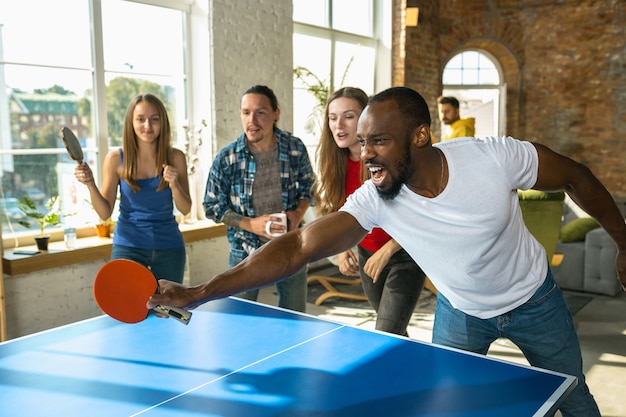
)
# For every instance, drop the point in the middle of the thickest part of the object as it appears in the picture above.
(321, 89)
(103, 227)
(49, 218)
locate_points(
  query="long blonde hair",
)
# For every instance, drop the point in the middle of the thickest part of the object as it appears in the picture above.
(164, 142)
(332, 161)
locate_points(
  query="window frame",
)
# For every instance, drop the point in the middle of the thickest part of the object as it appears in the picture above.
(380, 40)
(190, 13)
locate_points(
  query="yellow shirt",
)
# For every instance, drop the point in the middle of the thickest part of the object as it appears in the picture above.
(461, 128)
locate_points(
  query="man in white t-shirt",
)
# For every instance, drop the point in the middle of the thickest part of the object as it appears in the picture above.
(454, 208)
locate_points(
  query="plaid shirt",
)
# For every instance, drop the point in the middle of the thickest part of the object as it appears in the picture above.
(229, 186)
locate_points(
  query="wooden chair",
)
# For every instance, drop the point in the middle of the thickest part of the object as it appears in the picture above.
(332, 291)
(329, 282)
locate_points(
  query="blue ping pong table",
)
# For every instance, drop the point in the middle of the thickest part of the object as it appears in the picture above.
(242, 359)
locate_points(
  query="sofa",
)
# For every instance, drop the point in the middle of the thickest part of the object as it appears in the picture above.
(589, 253)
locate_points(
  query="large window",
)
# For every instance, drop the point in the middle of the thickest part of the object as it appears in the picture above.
(336, 43)
(78, 63)
(473, 77)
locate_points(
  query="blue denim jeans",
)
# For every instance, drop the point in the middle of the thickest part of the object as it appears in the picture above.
(165, 263)
(394, 295)
(291, 291)
(542, 328)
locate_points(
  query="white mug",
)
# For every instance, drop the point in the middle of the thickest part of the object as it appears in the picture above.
(282, 222)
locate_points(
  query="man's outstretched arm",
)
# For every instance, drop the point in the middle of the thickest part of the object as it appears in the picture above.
(277, 259)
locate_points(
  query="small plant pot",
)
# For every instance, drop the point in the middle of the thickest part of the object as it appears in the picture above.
(103, 230)
(42, 242)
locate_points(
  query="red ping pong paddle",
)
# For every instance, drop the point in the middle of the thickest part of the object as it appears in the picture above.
(122, 288)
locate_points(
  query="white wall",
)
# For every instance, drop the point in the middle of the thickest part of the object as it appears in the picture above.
(207, 258)
(44, 299)
(251, 44)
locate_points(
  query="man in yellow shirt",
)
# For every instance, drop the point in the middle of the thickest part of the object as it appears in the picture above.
(450, 115)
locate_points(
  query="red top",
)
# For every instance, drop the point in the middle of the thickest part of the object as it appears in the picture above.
(377, 237)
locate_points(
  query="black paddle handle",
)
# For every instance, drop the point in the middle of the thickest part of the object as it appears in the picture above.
(179, 314)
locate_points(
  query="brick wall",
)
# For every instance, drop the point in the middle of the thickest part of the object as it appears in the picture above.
(564, 64)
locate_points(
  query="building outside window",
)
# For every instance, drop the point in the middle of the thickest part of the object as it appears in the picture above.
(78, 64)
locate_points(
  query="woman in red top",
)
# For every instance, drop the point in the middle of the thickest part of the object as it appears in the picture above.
(392, 281)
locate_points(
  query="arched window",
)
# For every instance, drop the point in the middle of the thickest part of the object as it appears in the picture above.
(474, 78)
(471, 68)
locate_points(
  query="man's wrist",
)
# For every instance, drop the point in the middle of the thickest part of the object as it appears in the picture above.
(232, 219)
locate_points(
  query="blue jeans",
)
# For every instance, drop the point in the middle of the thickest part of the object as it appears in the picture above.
(164, 263)
(394, 295)
(291, 291)
(542, 328)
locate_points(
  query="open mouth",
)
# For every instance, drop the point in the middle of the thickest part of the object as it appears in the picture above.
(341, 136)
(378, 175)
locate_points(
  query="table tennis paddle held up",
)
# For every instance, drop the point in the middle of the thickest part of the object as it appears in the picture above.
(72, 145)
(123, 287)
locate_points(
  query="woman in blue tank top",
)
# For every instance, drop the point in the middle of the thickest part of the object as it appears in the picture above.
(152, 177)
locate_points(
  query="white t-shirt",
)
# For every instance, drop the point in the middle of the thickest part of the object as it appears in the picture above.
(470, 240)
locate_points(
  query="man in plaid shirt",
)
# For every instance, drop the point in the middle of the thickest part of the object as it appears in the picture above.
(263, 171)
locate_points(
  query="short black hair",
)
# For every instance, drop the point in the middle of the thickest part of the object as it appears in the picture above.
(412, 105)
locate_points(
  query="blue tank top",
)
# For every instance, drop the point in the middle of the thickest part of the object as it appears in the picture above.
(146, 217)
